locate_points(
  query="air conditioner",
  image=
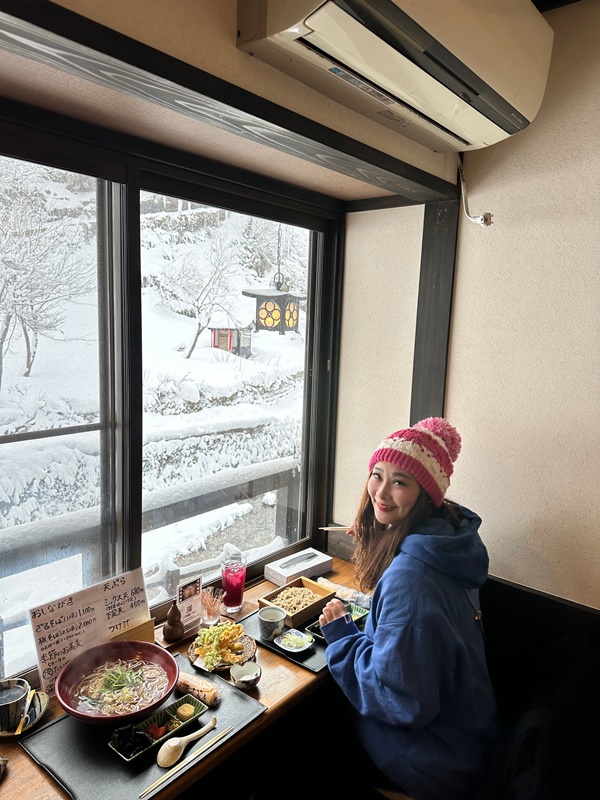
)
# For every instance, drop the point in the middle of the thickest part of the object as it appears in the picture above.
(454, 75)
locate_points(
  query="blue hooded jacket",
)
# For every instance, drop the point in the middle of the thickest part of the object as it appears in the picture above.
(417, 678)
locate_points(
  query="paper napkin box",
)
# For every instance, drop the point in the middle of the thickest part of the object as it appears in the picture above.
(287, 569)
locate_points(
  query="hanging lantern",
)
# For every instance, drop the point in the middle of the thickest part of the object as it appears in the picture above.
(276, 310)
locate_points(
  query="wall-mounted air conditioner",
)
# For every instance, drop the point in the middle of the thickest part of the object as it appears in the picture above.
(454, 75)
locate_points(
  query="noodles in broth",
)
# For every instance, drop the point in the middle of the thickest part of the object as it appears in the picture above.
(121, 687)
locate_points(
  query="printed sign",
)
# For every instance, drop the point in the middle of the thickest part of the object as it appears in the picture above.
(189, 602)
(65, 627)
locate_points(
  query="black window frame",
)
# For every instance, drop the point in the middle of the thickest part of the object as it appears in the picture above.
(52, 139)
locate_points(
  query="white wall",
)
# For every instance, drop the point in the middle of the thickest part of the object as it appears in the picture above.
(381, 284)
(524, 372)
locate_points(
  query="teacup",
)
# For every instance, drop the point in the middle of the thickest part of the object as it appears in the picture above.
(13, 696)
(271, 622)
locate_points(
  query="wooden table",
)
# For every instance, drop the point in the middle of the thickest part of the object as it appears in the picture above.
(282, 686)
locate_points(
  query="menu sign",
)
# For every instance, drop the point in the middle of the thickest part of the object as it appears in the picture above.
(65, 627)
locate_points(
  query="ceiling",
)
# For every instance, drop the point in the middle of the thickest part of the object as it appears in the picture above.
(101, 77)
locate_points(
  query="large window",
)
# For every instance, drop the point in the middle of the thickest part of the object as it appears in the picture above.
(165, 381)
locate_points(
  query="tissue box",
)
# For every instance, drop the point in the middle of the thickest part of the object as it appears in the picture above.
(287, 569)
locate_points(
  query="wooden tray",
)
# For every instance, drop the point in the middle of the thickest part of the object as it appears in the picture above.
(247, 653)
(294, 619)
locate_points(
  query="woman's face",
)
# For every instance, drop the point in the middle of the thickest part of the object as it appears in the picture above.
(393, 492)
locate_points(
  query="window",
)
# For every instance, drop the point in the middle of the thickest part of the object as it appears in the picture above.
(223, 387)
(124, 441)
(55, 421)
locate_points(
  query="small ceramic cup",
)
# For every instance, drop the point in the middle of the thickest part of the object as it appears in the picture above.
(271, 622)
(13, 696)
(245, 676)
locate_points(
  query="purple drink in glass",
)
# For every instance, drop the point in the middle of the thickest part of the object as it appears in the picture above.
(233, 576)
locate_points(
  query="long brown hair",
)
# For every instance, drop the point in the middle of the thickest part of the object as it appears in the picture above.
(376, 544)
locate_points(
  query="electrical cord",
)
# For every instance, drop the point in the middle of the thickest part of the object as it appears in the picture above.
(486, 218)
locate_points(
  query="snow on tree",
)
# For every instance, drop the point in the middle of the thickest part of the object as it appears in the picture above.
(258, 246)
(200, 282)
(43, 261)
(294, 257)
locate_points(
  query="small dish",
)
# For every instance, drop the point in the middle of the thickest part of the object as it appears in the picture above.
(358, 613)
(37, 709)
(160, 718)
(295, 641)
(315, 630)
(245, 676)
(359, 616)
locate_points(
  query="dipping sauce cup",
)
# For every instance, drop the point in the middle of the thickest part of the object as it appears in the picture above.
(233, 576)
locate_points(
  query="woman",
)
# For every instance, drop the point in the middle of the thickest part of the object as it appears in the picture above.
(417, 680)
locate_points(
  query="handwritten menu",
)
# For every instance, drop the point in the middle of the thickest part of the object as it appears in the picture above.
(71, 624)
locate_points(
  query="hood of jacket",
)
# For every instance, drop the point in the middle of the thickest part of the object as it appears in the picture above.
(457, 552)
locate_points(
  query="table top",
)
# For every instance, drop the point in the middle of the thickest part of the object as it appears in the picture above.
(283, 684)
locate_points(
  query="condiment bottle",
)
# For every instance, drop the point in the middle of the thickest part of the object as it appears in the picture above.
(173, 627)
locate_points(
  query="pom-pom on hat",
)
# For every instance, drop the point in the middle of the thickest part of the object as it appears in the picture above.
(427, 451)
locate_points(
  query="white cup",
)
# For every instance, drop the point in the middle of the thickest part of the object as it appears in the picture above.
(271, 622)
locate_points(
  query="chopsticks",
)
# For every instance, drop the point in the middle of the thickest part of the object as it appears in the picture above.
(25, 711)
(186, 761)
(337, 528)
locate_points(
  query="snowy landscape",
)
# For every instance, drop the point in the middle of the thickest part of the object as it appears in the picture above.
(207, 412)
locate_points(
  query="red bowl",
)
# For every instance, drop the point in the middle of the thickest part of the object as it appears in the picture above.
(71, 674)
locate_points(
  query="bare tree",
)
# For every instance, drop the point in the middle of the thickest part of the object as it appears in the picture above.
(41, 262)
(201, 288)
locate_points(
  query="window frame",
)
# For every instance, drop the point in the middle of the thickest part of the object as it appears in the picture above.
(66, 144)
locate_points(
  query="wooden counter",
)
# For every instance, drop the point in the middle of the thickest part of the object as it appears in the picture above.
(282, 686)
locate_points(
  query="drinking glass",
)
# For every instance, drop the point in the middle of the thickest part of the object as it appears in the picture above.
(233, 576)
(211, 606)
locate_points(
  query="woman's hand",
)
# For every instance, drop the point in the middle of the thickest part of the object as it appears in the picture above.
(333, 610)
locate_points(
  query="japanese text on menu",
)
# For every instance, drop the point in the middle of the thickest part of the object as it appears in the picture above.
(65, 627)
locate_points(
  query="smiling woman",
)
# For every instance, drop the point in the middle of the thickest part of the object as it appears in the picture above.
(392, 492)
(424, 559)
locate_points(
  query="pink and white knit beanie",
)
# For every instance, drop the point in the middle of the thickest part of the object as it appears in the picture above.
(427, 451)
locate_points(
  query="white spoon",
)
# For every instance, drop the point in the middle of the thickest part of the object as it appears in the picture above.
(170, 752)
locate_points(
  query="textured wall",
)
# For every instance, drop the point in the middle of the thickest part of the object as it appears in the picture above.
(203, 33)
(524, 377)
(383, 252)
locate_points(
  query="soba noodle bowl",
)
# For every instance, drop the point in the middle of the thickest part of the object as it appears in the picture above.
(121, 687)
